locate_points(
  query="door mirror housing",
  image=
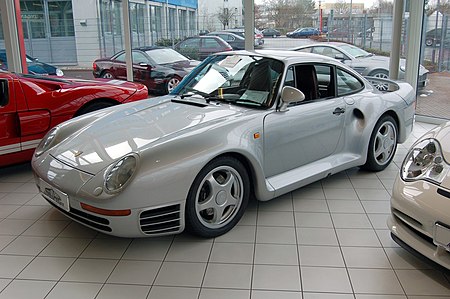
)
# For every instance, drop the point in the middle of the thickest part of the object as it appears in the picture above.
(290, 95)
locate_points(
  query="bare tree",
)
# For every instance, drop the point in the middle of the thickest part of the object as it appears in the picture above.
(382, 7)
(290, 14)
(225, 15)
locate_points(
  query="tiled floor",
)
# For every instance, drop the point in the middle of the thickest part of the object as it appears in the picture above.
(328, 240)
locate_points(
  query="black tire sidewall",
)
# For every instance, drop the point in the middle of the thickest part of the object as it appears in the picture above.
(106, 72)
(371, 163)
(193, 224)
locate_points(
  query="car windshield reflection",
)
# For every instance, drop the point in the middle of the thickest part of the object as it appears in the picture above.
(239, 79)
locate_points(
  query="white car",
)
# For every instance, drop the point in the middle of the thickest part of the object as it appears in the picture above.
(420, 202)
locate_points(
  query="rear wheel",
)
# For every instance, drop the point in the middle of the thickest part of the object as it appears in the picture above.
(172, 83)
(382, 145)
(383, 75)
(107, 75)
(218, 197)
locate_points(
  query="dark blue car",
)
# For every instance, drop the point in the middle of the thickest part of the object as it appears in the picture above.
(34, 66)
(303, 32)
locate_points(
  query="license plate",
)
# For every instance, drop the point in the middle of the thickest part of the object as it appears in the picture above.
(442, 236)
(52, 194)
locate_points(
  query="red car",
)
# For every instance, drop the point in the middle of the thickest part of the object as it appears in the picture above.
(30, 105)
(159, 68)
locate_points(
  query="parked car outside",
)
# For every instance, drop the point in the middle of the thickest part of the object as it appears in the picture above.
(303, 32)
(242, 124)
(33, 64)
(271, 32)
(259, 37)
(365, 63)
(30, 105)
(158, 68)
(420, 202)
(199, 47)
(203, 32)
(433, 37)
(236, 41)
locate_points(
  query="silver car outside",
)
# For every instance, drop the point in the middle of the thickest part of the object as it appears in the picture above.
(420, 203)
(239, 125)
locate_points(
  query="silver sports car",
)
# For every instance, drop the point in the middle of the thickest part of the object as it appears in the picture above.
(365, 63)
(241, 124)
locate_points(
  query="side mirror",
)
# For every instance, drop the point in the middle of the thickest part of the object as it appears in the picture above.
(340, 57)
(144, 64)
(290, 95)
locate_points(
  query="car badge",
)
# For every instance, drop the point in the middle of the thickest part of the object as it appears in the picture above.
(76, 154)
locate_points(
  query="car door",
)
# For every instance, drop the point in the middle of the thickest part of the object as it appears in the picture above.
(209, 46)
(190, 48)
(141, 68)
(308, 131)
(9, 126)
(119, 67)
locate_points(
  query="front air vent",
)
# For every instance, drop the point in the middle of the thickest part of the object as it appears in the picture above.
(161, 220)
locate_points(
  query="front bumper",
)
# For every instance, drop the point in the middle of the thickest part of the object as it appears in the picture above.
(420, 219)
(151, 220)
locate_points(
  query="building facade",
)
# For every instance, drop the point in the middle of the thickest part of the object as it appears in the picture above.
(76, 32)
(210, 11)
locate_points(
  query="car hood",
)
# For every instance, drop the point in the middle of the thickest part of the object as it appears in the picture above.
(135, 127)
(185, 65)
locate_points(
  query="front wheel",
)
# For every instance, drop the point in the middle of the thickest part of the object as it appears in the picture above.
(107, 75)
(171, 84)
(383, 75)
(382, 145)
(217, 198)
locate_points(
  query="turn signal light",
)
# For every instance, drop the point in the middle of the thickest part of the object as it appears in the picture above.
(104, 211)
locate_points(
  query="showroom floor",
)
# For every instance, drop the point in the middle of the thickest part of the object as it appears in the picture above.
(327, 240)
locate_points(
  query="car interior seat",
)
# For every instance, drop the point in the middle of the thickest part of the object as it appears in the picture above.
(306, 79)
(261, 77)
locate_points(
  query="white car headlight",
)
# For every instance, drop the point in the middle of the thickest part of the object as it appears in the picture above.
(120, 173)
(424, 161)
(47, 142)
(59, 72)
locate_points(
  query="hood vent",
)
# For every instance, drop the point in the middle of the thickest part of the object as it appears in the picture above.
(196, 104)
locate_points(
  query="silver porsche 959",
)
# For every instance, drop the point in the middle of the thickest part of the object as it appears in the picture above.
(242, 124)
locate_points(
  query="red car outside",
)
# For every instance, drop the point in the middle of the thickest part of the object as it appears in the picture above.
(30, 105)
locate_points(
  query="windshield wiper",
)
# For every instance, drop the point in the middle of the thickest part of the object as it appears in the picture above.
(208, 97)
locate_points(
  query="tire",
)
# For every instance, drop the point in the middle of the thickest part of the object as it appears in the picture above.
(383, 75)
(107, 75)
(429, 42)
(217, 198)
(382, 144)
(93, 107)
(171, 84)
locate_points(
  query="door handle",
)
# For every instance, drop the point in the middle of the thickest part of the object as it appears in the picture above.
(338, 111)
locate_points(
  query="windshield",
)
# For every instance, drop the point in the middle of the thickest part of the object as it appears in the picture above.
(355, 51)
(240, 79)
(163, 56)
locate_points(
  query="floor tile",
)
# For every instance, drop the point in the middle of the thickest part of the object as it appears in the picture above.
(327, 296)
(55, 267)
(308, 193)
(181, 274)
(46, 228)
(340, 194)
(276, 254)
(402, 259)
(116, 291)
(345, 206)
(375, 281)
(365, 257)
(135, 272)
(249, 218)
(5, 241)
(311, 205)
(239, 234)
(74, 290)
(3, 283)
(316, 236)
(189, 252)
(378, 221)
(351, 220)
(14, 226)
(321, 256)
(232, 253)
(207, 293)
(280, 204)
(303, 219)
(90, 270)
(25, 245)
(367, 183)
(373, 194)
(26, 289)
(158, 292)
(365, 296)
(358, 237)
(148, 249)
(9, 187)
(376, 206)
(65, 247)
(16, 198)
(232, 276)
(271, 277)
(336, 279)
(275, 219)
(6, 210)
(76, 230)
(275, 235)
(258, 294)
(424, 282)
(11, 265)
(112, 248)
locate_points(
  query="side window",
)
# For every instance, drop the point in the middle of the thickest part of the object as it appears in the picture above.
(305, 50)
(4, 96)
(326, 51)
(121, 57)
(190, 43)
(290, 81)
(210, 43)
(139, 58)
(347, 83)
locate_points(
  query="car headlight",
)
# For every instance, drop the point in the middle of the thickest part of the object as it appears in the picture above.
(120, 173)
(47, 142)
(424, 161)
(59, 72)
